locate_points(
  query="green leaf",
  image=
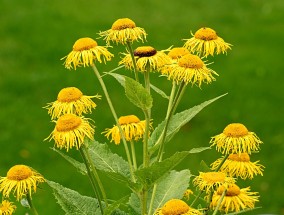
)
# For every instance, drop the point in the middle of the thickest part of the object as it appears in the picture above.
(78, 165)
(148, 176)
(177, 121)
(172, 186)
(204, 167)
(119, 78)
(72, 202)
(134, 203)
(159, 91)
(137, 94)
(107, 161)
(112, 209)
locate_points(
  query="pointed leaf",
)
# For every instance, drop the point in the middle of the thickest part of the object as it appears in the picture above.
(107, 161)
(120, 78)
(78, 165)
(178, 120)
(112, 209)
(137, 94)
(204, 167)
(148, 176)
(72, 202)
(159, 91)
(172, 186)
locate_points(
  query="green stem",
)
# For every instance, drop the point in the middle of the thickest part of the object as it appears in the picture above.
(94, 172)
(92, 179)
(129, 47)
(197, 197)
(33, 209)
(116, 120)
(132, 145)
(222, 162)
(152, 199)
(219, 202)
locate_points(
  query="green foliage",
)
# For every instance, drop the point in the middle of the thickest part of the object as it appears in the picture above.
(137, 94)
(72, 202)
(171, 186)
(177, 121)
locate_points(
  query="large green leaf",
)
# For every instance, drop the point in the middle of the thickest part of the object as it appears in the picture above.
(107, 161)
(148, 176)
(137, 94)
(172, 186)
(113, 208)
(79, 166)
(177, 121)
(72, 202)
(134, 204)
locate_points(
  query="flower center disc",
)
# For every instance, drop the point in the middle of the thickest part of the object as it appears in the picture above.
(19, 172)
(69, 94)
(68, 122)
(190, 61)
(145, 51)
(233, 190)
(243, 157)
(212, 177)
(235, 130)
(123, 120)
(178, 52)
(206, 34)
(175, 207)
(84, 44)
(124, 23)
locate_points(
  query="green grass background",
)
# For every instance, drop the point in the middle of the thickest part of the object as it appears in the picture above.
(35, 34)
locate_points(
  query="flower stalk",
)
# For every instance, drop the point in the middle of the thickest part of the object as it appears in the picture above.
(32, 207)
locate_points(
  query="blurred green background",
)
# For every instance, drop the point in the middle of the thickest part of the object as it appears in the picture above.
(35, 34)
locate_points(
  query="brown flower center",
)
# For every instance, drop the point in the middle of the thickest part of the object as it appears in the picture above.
(84, 44)
(69, 94)
(232, 190)
(19, 172)
(191, 61)
(235, 130)
(124, 23)
(123, 120)
(68, 122)
(178, 52)
(243, 157)
(175, 207)
(206, 34)
(145, 51)
(213, 177)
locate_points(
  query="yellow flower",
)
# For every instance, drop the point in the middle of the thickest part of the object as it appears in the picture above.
(71, 100)
(208, 181)
(20, 179)
(176, 207)
(189, 69)
(7, 208)
(122, 31)
(85, 52)
(235, 199)
(236, 139)
(239, 165)
(132, 127)
(70, 131)
(187, 194)
(146, 58)
(177, 52)
(206, 42)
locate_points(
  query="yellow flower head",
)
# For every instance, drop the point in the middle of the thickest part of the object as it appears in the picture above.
(7, 208)
(189, 69)
(177, 52)
(206, 42)
(123, 31)
(71, 100)
(70, 131)
(132, 127)
(239, 165)
(85, 52)
(176, 207)
(146, 58)
(20, 179)
(208, 181)
(187, 194)
(236, 139)
(235, 199)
